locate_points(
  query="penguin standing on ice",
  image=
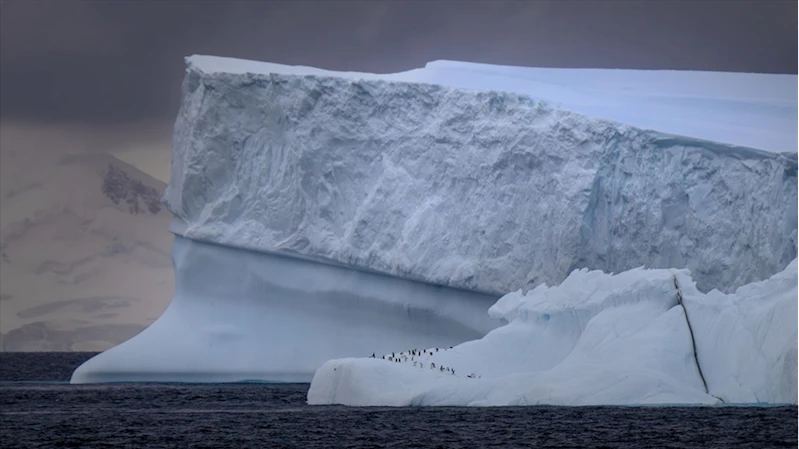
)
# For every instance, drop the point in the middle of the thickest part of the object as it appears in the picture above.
(373, 356)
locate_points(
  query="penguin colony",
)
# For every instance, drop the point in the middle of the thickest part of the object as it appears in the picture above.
(415, 356)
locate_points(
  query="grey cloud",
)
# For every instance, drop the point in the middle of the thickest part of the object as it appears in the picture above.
(106, 62)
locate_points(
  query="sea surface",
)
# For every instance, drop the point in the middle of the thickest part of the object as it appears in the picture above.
(38, 408)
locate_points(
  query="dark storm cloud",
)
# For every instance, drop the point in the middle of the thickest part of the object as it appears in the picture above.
(101, 62)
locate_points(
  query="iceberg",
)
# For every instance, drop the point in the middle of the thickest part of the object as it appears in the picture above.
(238, 315)
(321, 215)
(484, 191)
(638, 337)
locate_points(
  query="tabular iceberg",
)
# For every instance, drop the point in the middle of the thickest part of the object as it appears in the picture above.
(320, 215)
(487, 191)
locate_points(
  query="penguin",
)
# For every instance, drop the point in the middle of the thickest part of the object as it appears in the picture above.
(453, 371)
(436, 349)
(384, 357)
(432, 365)
(373, 356)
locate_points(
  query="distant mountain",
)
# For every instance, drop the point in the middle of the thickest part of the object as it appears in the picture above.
(85, 260)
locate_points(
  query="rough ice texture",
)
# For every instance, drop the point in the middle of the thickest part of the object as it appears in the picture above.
(749, 109)
(485, 191)
(599, 339)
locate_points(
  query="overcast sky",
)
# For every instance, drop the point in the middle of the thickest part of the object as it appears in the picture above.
(97, 62)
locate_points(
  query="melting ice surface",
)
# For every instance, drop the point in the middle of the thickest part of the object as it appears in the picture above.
(321, 215)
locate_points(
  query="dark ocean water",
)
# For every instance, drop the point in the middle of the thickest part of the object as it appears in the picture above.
(56, 414)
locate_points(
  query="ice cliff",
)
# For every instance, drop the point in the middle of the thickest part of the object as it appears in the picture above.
(598, 339)
(486, 191)
(321, 215)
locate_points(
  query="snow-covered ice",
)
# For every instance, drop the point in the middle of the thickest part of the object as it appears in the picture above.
(321, 215)
(599, 339)
(746, 109)
(487, 191)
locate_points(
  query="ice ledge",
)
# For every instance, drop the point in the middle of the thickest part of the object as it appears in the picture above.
(239, 316)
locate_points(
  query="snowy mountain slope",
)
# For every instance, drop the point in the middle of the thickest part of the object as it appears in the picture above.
(85, 250)
(486, 191)
(598, 339)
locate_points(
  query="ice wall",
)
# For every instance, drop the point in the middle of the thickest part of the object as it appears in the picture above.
(747, 341)
(486, 191)
(238, 315)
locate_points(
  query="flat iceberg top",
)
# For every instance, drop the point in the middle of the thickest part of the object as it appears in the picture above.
(216, 64)
(746, 109)
(486, 191)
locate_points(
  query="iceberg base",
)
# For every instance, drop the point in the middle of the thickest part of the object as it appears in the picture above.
(239, 315)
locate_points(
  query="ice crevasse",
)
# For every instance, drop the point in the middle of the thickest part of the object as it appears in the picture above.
(320, 215)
